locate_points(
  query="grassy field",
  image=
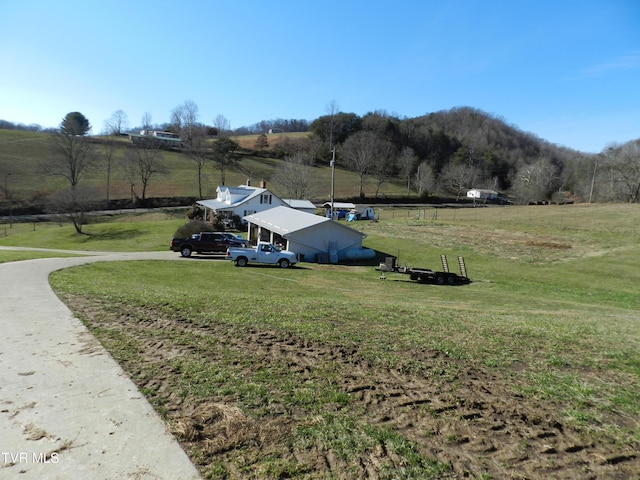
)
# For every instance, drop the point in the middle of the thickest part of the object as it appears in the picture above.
(120, 233)
(22, 155)
(531, 371)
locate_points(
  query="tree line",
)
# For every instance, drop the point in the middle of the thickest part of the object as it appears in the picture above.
(444, 153)
(75, 154)
(450, 152)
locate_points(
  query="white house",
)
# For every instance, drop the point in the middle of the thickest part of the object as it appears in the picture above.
(315, 238)
(241, 201)
(156, 138)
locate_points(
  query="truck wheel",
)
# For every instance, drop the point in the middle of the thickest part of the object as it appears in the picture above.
(241, 262)
(185, 251)
(284, 263)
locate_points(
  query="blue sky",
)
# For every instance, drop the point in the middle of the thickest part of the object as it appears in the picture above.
(566, 71)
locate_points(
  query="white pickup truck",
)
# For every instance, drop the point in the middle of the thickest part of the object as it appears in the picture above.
(262, 253)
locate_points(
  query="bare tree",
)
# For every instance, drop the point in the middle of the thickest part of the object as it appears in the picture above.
(185, 119)
(359, 152)
(72, 152)
(146, 123)
(108, 151)
(458, 178)
(384, 164)
(222, 125)
(622, 168)
(140, 164)
(74, 203)
(295, 177)
(224, 154)
(407, 161)
(535, 182)
(424, 180)
(200, 153)
(332, 109)
(117, 124)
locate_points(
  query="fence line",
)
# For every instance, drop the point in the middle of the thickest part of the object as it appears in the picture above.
(619, 218)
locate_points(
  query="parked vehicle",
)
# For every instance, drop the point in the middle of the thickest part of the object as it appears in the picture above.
(235, 238)
(205, 242)
(263, 253)
(426, 275)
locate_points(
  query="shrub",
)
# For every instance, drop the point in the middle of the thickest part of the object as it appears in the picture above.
(191, 227)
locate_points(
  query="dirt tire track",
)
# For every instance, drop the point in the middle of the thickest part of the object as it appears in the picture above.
(472, 420)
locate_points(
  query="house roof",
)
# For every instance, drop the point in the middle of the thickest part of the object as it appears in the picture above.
(340, 205)
(239, 195)
(299, 204)
(152, 138)
(285, 220)
(214, 204)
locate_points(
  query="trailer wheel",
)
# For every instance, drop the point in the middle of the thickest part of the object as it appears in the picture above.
(241, 262)
(185, 251)
(451, 280)
(414, 276)
(440, 280)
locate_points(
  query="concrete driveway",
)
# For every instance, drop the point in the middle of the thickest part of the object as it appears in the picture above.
(67, 410)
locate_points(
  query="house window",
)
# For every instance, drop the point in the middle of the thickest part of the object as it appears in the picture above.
(266, 198)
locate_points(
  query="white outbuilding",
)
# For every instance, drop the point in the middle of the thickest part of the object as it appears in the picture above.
(482, 194)
(312, 237)
(302, 205)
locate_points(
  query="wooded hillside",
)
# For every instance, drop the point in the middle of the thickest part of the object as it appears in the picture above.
(436, 156)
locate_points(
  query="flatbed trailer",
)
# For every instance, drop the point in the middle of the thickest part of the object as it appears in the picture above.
(426, 275)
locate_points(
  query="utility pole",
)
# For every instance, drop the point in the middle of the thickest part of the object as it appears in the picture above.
(593, 179)
(6, 194)
(333, 178)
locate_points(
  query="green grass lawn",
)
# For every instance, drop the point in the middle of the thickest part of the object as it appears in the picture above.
(124, 233)
(553, 309)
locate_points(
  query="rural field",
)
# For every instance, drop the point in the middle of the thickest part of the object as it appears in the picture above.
(329, 372)
(23, 154)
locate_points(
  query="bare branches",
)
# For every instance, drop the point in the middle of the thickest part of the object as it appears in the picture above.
(185, 119)
(535, 182)
(224, 152)
(117, 124)
(295, 176)
(74, 203)
(140, 164)
(359, 152)
(73, 154)
(620, 172)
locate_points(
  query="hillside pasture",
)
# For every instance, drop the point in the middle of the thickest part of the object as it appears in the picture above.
(22, 155)
(327, 371)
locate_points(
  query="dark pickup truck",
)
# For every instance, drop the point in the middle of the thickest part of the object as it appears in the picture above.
(206, 242)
